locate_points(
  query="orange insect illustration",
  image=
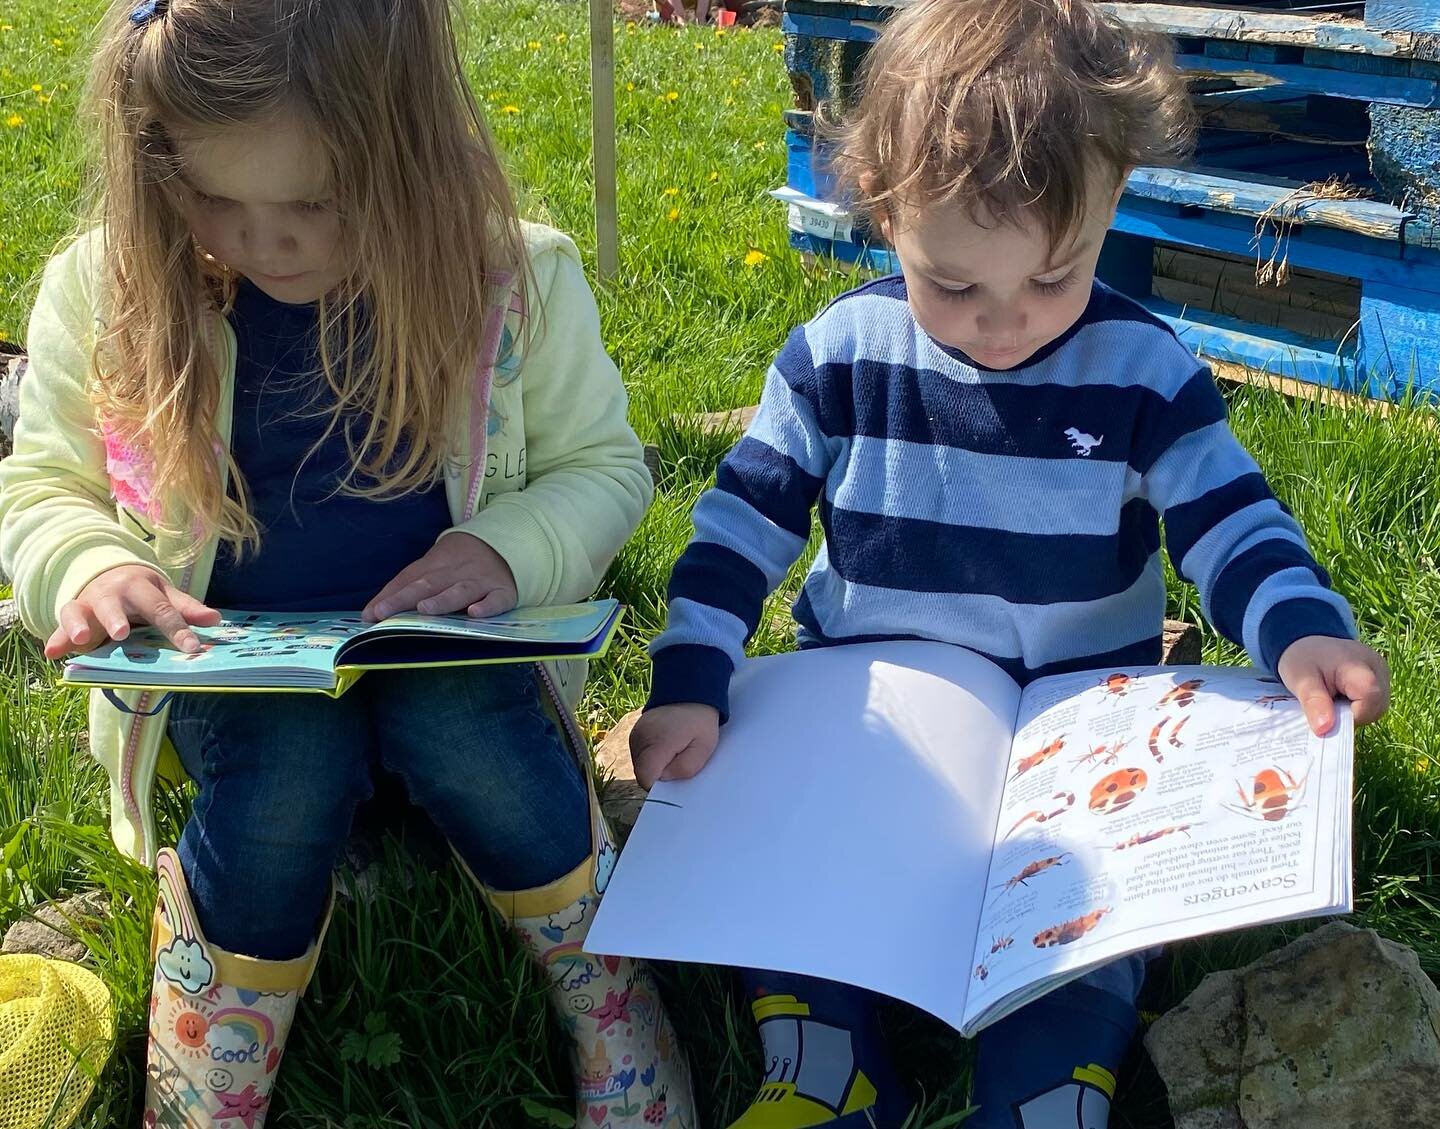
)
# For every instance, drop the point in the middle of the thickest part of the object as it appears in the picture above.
(1038, 816)
(1039, 866)
(1183, 694)
(1155, 734)
(999, 944)
(1038, 757)
(1104, 754)
(1270, 701)
(1139, 840)
(1117, 791)
(1117, 685)
(1273, 795)
(1071, 930)
(982, 971)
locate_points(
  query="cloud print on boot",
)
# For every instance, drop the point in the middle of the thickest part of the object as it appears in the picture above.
(185, 963)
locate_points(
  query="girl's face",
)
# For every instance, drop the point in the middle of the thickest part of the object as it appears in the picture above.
(259, 199)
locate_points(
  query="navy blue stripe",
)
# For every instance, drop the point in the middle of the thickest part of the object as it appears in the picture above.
(893, 401)
(1238, 580)
(1290, 620)
(771, 483)
(688, 672)
(915, 555)
(1186, 523)
(796, 364)
(1147, 652)
(714, 575)
(1197, 405)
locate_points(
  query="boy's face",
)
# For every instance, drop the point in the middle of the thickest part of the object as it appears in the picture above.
(995, 292)
(258, 198)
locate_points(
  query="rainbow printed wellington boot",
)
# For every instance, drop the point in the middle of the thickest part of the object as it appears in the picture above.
(825, 1059)
(218, 1021)
(630, 1071)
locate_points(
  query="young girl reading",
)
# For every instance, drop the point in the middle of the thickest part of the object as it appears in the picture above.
(310, 359)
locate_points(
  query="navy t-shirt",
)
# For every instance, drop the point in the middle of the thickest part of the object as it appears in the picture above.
(320, 550)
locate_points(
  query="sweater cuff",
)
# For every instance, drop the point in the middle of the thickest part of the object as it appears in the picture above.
(513, 532)
(689, 672)
(1291, 620)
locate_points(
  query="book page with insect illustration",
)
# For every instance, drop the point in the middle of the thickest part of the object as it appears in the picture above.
(1147, 805)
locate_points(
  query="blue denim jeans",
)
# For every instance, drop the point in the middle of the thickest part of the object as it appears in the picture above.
(280, 776)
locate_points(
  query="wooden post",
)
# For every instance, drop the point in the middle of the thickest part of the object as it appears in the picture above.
(602, 132)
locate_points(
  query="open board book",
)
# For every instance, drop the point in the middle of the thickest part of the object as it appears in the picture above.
(326, 652)
(903, 817)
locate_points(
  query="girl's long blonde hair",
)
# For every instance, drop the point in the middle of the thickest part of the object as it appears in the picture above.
(428, 225)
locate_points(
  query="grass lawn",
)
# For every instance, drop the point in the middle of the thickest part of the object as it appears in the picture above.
(421, 1013)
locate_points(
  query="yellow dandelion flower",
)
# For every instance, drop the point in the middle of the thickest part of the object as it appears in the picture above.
(36, 87)
(759, 145)
(511, 109)
(562, 37)
(14, 121)
(630, 87)
(3, 335)
(671, 192)
(714, 176)
(672, 96)
(57, 43)
(7, 27)
(777, 47)
(629, 25)
(629, 29)
(673, 214)
(735, 84)
(720, 33)
(534, 45)
(699, 46)
(754, 258)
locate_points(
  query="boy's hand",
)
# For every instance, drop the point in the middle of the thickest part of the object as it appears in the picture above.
(673, 742)
(125, 595)
(1316, 668)
(459, 573)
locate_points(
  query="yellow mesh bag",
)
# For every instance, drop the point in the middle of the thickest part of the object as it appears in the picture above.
(56, 1031)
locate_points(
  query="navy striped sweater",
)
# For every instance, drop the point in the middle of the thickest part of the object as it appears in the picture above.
(1015, 513)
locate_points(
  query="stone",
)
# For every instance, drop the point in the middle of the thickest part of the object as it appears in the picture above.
(12, 368)
(1339, 1028)
(9, 617)
(1182, 644)
(52, 930)
(621, 795)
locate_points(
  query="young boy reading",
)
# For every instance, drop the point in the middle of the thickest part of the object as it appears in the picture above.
(993, 439)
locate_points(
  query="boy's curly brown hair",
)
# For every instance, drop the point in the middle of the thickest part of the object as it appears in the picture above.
(1008, 105)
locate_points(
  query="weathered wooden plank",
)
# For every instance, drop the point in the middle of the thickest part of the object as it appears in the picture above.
(1317, 79)
(1400, 337)
(1298, 30)
(1405, 151)
(1231, 341)
(1259, 195)
(1233, 276)
(1405, 15)
(1261, 309)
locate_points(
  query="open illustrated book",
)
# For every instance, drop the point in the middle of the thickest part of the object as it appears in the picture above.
(327, 651)
(902, 817)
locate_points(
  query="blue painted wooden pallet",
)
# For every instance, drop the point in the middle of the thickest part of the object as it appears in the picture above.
(1329, 100)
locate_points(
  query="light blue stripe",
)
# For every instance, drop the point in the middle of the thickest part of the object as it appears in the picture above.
(689, 621)
(898, 478)
(1212, 552)
(785, 422)
(1195, 464)
(1040, 633)
(723, 519)
(1287, 584)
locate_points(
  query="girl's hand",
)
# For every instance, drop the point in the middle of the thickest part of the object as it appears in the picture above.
(460, 572)
(120, 597)
(1317, 668)
(673, 742)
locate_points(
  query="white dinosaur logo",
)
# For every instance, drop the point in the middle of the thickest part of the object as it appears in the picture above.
(1082, 442)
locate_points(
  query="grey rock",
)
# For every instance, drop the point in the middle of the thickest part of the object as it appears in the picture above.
(621, 795)
(54, 929)
(9, 617)
(1339, 1028)
(12, 368)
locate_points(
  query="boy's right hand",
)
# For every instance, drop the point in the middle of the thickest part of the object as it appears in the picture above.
(125, 595)
(673, 742)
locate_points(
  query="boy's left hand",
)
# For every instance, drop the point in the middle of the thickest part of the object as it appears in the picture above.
(1317, 668)
(459, 573)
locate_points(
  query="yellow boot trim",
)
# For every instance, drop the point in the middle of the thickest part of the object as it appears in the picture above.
(233, 970)
(1098, 1077)
(767, 1007)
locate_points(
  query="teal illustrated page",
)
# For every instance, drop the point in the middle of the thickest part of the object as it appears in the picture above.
(243, 642)
(567, 625)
